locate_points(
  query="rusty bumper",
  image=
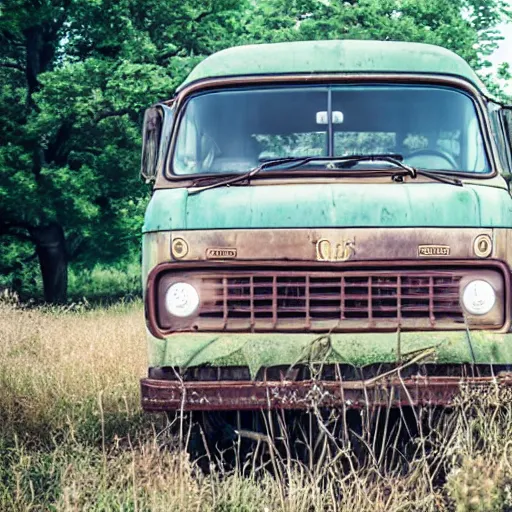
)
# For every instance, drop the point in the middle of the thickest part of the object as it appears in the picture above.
(164, 395)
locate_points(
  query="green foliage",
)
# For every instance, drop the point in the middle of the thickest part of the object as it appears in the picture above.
(76, 76)
(472, 35)
(104, 282)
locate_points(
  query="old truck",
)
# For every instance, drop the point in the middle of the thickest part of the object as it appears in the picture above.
(330, 225)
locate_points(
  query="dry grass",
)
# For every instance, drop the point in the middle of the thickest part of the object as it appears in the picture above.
(72, 437)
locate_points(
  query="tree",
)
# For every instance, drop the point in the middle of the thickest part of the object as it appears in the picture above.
(76, 76)
(468, 27)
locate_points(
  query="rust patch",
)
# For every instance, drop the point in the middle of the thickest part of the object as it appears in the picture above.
(162, 395)
(333, 244)
(281, 313)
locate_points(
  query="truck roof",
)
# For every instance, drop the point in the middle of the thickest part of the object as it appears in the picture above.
(335, 56)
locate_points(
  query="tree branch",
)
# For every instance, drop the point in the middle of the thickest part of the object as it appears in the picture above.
(10, 228)
(11, 65)
(75, 246)
(56, 150)
(202, 16)
(167, 55)
(112, 113)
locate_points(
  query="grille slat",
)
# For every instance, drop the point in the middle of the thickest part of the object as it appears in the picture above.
(275, 301)
(253, 307)
(308, 302)
(348, 285)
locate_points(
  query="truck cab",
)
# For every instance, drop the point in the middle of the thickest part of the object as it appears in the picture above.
(330, 225)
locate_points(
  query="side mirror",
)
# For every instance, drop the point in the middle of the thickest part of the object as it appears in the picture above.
(156, 135)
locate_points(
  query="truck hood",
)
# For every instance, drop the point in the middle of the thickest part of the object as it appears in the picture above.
(330, 205)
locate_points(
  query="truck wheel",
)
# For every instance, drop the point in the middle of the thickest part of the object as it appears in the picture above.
(252, 438)
(216, 439)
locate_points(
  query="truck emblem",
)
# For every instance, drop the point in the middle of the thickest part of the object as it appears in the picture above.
(434, 250)
(179, 248)
(221, 253)
(327, 250)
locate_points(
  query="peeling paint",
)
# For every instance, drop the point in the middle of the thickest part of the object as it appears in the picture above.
(358, 349)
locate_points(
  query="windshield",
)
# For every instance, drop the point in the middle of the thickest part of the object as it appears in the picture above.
(232, 131)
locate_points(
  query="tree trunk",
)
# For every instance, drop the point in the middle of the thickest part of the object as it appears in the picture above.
(51, 251)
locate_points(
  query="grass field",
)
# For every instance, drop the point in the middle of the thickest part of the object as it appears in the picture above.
(72, 437)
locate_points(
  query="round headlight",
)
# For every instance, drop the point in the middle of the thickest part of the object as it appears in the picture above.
(181, 299)
(478, 297)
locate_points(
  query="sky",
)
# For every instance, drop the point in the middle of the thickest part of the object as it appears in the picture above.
(504, 52)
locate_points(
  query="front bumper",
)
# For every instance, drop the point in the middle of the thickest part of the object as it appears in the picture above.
(410, 368)
(164, 395)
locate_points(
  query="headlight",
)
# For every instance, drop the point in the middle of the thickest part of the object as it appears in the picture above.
(478, 297)
(181, 299)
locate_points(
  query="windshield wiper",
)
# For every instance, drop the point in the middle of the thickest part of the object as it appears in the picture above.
(333, 164)
(396, 160)
(433, 175)
(293, 161)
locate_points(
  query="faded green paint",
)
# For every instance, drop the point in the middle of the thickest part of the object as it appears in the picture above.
(155, 250)
(331, 205)
(358, 349)
(335, 205)
(480, 203)
(334, 57)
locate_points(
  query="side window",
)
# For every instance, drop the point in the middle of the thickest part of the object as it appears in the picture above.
(449, 141)
(364, 143)
(187, 147)
(291, 145)
(415, 142)
(475, 148)
(443, 140)
(501, 125)
(507, 125)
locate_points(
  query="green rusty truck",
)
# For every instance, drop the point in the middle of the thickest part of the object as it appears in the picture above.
(330, 225)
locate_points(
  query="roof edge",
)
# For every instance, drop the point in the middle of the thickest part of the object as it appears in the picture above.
(334, 57)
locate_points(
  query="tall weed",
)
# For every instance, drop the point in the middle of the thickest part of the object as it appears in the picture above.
(72, 438)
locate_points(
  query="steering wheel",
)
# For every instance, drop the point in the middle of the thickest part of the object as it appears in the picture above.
(434, 152)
